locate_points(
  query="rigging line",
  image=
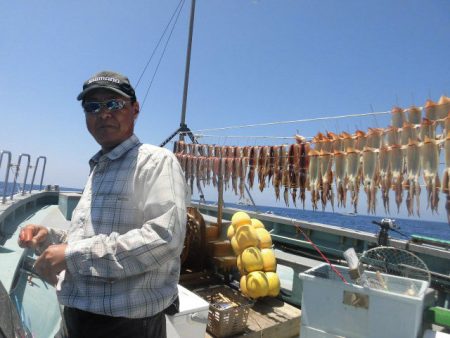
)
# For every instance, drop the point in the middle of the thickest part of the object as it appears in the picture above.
(245, 136)
(293, 121)
(162, 55)
(157, 45)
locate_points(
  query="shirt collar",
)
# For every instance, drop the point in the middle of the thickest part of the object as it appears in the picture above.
(117, 152)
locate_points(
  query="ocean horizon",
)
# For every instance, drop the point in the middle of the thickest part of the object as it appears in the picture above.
(409, 227)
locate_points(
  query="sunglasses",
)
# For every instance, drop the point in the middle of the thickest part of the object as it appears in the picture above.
(112, 105)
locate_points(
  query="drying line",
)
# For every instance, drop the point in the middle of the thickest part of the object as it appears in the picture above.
(293, 121)
(243, 136)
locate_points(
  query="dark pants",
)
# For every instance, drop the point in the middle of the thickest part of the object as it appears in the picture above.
(82, 324)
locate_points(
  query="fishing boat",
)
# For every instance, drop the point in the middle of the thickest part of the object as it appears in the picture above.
(301, 248)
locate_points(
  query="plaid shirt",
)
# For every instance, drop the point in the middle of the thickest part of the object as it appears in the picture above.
(127, 233)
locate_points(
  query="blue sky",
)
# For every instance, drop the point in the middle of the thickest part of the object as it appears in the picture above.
(252, 62)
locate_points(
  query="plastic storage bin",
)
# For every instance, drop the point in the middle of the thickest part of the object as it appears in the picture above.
(331, 308)
(192, 317)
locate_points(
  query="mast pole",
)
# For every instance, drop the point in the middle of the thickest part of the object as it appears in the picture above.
(186, 74)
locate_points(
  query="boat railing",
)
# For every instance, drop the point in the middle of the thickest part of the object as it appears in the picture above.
(8, 153)
(42, 172)
(17, 168)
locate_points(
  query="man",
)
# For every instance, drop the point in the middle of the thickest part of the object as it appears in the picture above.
(117, 267)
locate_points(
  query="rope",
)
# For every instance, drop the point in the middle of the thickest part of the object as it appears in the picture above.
(157, 45)
(246, 136)
(162, 55)
(320, 252)
(292, 121)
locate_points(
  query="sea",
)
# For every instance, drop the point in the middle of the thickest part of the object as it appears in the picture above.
(405, 227)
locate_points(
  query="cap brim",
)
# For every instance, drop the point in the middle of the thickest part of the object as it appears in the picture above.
(90, 89)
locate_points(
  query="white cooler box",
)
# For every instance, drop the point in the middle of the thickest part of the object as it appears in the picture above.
(331, 308)
(191, 320)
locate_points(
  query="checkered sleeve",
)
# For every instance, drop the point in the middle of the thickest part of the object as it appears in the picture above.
(162, 192)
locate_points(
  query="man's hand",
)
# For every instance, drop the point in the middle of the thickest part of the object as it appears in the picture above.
(51, 262)
(32, 235)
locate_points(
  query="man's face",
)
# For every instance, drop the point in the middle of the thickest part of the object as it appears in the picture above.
(110, 128)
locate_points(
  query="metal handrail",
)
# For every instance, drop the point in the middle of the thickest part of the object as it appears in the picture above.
(7, 172)
(17, 173)
(26, 171)
(35, 169)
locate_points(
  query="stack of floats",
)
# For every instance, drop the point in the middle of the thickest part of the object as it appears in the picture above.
(382, 158)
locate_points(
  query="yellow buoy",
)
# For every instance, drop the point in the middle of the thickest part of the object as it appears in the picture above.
(243, 285)
(269, 260)
(251, 259)
(257, 223)
(240, 218)
(246, 236)
(257, 284)
(235, 246)
(265, 240)
(230, 232)
(274, 284)
(240, 266)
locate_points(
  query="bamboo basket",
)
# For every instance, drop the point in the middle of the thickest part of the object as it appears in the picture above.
(228, 310)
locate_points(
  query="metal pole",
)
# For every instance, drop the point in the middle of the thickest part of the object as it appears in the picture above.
(186, 74)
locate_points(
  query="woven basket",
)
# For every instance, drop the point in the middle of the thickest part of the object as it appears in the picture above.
(228, 310)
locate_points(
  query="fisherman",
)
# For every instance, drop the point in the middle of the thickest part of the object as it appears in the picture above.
(117, 267)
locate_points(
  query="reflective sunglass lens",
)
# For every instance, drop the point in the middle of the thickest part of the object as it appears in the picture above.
(114, 104)
(92, 107)
(95, 107)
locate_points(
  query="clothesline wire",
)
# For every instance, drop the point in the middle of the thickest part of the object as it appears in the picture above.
(292, 121)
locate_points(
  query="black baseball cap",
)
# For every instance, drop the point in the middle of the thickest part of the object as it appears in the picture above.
(111, 81)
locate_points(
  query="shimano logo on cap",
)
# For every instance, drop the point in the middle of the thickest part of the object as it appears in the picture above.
(103, 78)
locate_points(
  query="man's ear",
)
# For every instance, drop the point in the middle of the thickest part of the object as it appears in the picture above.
(135, 110)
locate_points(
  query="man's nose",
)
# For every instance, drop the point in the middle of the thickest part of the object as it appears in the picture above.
(104, 113)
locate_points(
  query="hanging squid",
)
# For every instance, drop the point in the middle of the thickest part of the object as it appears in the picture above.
(285, 179)
(429, 156)
(243, 172)
(271, 163)
(235, 173)
(326, 192)
(314, 178)
(397, 167)
(199, 171)
(262, 166)
(347, 141)
(318, 141)
(398, 117)
(370, 176)
(407, 134)
(335, 142)
(253, 162)
(303, 172)
(446, 176)
(427, 129)
(216, 170)
(385, 176)
(294, 170)
(217, 151)
(374, 138)
(277, 171)
(352, 168)
(340, 177)
(391, 136)
(411, 183)
(414, 115)
(360, 140)
(443, 109)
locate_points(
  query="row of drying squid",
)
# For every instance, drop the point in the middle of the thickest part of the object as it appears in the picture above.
(397, 158)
